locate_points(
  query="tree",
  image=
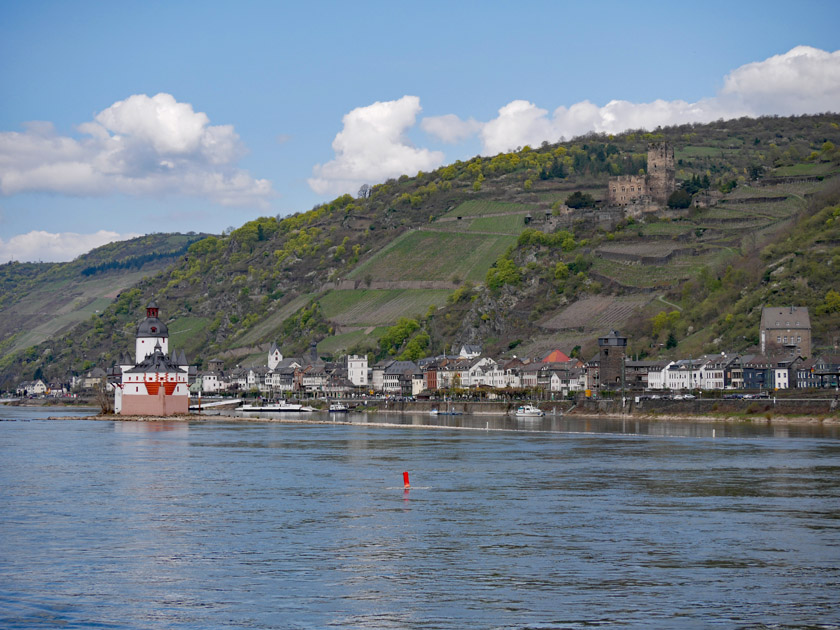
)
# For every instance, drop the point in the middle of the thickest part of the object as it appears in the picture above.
(672, 341)
(364, 191)
(561, 272)
(679, 199)
(580, 199)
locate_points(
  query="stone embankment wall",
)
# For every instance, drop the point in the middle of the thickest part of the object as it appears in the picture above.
(718, 406)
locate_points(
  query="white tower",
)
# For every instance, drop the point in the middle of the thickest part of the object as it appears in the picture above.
(151, 332)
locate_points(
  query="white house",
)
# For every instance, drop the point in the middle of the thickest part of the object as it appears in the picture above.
(274, 356)
(357, 370)
(656, 378)
(469, 351)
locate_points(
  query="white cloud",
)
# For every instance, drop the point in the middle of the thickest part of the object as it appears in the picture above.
(372, 147)
(803, 80)
(54, 247)
(450, 128)
(140, 146)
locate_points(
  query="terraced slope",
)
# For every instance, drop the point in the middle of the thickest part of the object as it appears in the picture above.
(597, 313)
(370, 307)
(425, 256)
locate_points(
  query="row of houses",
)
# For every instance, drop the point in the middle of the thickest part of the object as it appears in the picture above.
(555, 373)
(90, 381)
(465, 370)
(749, 371)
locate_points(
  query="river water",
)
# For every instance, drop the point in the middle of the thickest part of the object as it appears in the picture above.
(535, 524)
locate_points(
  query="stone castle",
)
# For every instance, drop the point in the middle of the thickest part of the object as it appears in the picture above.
(656, 186)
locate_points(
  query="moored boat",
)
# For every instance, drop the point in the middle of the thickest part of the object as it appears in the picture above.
(279, 406)
(338, 408)
(529, 411)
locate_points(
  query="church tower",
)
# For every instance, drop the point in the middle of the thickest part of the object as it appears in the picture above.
(150, 333)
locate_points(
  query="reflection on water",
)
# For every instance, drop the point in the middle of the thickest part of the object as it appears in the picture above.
(559, 523)
(574, 424)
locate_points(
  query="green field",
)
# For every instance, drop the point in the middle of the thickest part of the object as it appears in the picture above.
(509, 224)
(184, 329)
(802, 169)
(478, 208)
(690, 152)
(271, 323)
(375, 307)
(649, 276)
(438, 256)
(666, 228)
(338, 344)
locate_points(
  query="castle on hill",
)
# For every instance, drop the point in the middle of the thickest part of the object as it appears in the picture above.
(657, 185)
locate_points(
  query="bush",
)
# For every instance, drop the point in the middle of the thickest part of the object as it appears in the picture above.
(580, 200)
(679, 199)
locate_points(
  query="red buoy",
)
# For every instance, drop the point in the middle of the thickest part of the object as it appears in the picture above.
(405, 480)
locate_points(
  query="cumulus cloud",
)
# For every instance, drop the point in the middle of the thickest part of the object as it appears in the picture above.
(804, 80)
(450, 128)
(801, 81)
(44, 246)
(140, 146)
(372, 147)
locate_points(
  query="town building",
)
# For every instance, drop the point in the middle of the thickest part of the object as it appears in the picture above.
(785, 330)
(357, 370)
(611, 355)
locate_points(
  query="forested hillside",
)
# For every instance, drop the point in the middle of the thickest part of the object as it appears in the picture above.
(515, 251)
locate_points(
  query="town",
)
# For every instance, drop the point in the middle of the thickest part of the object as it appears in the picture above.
(159, 381)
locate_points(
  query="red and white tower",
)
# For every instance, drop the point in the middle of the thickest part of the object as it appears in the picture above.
(157, 384)
(150, 333)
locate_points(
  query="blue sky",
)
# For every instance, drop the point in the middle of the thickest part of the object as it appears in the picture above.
(126, 118)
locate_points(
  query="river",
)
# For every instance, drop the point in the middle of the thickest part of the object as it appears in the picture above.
(520, 525)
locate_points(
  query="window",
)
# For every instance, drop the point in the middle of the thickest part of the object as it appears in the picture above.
(799, 339)
(779, 339)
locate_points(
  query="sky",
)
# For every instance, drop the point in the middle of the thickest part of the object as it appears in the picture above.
(126, 118)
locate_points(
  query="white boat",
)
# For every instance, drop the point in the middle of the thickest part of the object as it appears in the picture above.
(338, 408)
(529, 411)
(450, 412)
(276, 407)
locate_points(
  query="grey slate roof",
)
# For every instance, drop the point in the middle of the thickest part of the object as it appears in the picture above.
(152, 327)
(156, 363)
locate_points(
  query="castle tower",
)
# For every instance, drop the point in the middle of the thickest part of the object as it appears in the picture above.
(611, 355)
(151, 332)
(661, 171)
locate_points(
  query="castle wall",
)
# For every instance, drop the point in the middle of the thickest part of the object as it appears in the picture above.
(625, 189)
(144, 404)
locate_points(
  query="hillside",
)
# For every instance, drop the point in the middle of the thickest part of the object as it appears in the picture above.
(486, 251)
(42, 300)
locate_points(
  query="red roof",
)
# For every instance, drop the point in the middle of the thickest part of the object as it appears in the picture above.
(556, 356)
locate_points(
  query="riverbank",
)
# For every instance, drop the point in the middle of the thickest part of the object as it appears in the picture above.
(321, 418)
